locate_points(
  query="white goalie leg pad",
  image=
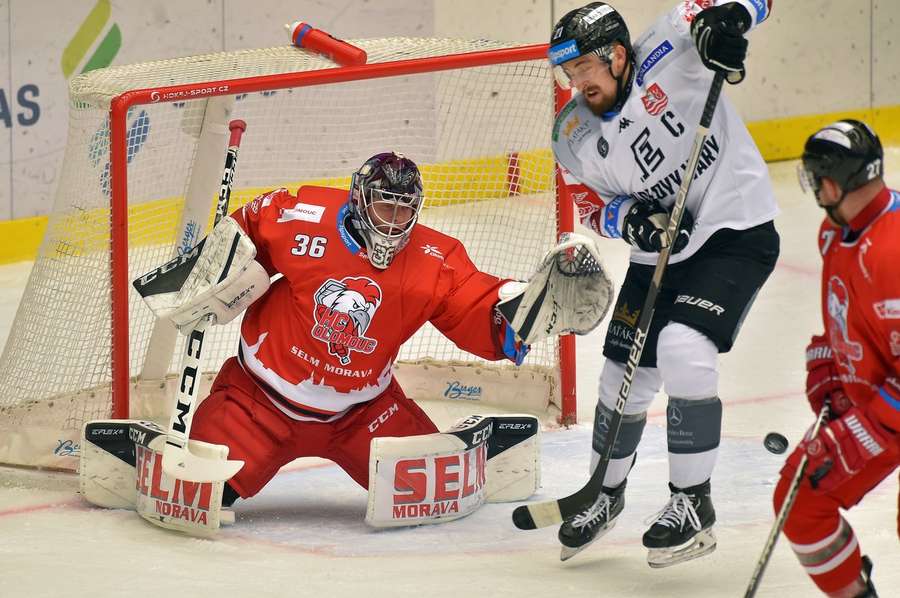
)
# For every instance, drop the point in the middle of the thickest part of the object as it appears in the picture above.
(440, 477)
(106, 473)
(219, 276)
(121, 468)
(569, 292)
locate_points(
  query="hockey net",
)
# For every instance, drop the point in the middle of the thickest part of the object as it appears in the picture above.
(142, 168)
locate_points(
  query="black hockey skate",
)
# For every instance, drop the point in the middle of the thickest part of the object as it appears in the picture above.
(866, 575)
(682, 530)
(580, 531)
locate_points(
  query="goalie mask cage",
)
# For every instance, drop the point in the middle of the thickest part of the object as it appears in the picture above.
(142, 169)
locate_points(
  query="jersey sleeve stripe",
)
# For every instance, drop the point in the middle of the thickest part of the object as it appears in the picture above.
(612, 220)
(759, 9)
(889, 398)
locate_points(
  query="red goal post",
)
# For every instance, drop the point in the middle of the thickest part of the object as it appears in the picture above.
(476, 115)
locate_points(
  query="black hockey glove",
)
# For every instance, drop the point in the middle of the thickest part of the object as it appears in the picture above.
(644, 226)
(718, 33)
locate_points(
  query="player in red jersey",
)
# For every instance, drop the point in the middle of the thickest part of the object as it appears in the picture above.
(331, 284)
(855, 364)
(313, 375)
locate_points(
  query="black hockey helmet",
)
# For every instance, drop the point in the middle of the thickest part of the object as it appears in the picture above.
(593, 28)
(848, 152)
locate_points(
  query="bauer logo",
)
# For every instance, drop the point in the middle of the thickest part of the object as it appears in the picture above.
(563, 52)
(700, 303)
(458, 390)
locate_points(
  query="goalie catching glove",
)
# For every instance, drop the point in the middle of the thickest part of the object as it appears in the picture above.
(219, 276)
(570, 292)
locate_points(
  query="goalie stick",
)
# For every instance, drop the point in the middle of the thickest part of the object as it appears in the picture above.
(178, 461)
(542, 514)
(769, 546)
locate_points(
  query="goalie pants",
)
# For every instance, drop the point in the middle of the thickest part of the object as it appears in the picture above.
(711, 291)
(240, 415)
(820, 537)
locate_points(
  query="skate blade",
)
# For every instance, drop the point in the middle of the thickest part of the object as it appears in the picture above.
(701, 544)
(565, 552)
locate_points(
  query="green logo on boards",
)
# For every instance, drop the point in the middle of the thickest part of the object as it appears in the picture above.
(88, 33)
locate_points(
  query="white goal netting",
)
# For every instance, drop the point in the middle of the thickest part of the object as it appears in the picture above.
(480, 135)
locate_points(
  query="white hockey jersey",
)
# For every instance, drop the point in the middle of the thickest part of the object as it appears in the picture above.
(640, 153)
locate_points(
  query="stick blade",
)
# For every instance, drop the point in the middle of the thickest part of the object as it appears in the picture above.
(184, 465)
(538, 514)
(522, 519)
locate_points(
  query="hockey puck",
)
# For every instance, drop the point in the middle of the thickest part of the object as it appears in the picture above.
(775, 443)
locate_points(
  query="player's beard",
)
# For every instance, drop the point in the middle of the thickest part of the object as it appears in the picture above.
(598, 103)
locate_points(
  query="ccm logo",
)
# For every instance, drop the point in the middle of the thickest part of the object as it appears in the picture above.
(383, 417)
(481, 436)
(701, 303)
(137, 437)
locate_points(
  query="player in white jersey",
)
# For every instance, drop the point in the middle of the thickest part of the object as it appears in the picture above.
(623, 143)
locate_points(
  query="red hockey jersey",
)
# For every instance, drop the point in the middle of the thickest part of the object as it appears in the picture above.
(325, 335)
(861, 304)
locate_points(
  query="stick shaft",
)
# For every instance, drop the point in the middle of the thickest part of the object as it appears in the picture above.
(189, 387)
(783, 512)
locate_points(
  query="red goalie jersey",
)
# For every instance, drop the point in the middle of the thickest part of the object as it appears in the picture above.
(325, 335)
(861, 305)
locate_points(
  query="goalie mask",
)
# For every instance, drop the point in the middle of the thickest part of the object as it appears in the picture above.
(385, 199)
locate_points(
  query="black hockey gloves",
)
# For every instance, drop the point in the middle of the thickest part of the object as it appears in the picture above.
(718, 33)
(644, 226)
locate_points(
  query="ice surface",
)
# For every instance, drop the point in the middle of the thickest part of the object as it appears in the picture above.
(304, 534)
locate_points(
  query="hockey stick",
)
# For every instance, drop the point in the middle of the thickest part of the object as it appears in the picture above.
(542, 514)
(178, 461)
(769, 546)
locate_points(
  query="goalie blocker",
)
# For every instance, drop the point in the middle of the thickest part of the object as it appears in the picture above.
(219, 276)
(412, 480)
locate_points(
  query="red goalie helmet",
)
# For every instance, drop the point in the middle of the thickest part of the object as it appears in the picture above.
(386, 197)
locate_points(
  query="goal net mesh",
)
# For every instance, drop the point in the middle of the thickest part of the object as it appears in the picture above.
(479, 134)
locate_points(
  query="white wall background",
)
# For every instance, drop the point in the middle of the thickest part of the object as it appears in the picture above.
(812, 56)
